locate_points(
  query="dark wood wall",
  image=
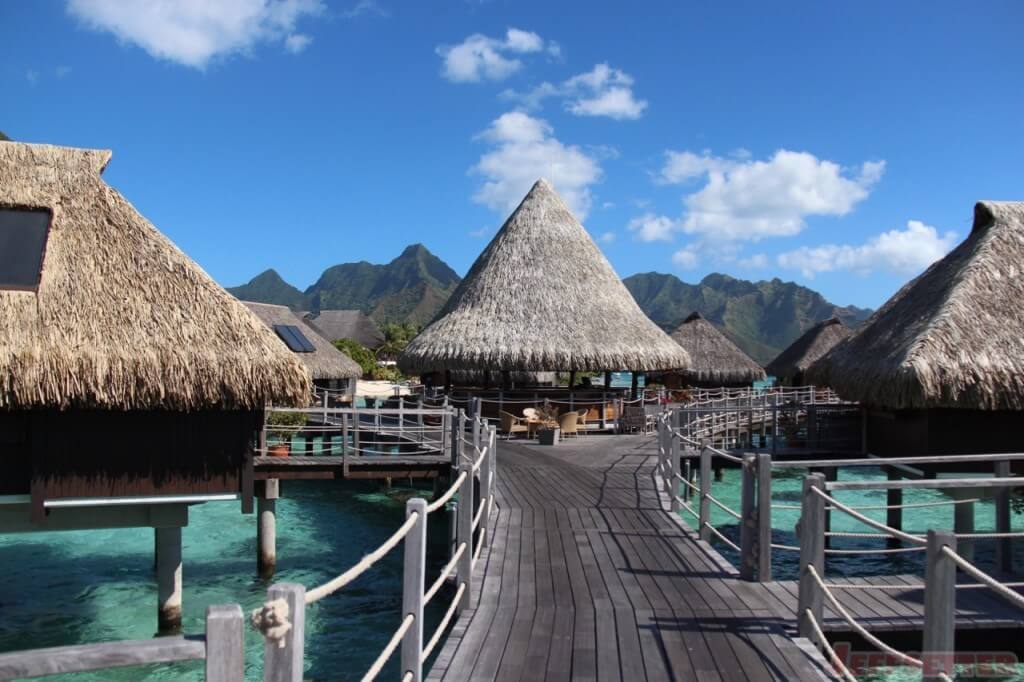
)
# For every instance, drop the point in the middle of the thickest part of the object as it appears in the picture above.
(944, 432)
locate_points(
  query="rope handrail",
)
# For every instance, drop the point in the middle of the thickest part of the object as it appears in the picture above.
(722, 506)
(477, 551)
(436, 637)
(984, 578)
(877, 643)
(445, 572)
(910, 505)
(868, 521)
(396, 639)
(722, 537)
(480, 459)
(823, 641)
(890, 550)
(335, 584)
(479, 513)
(449, 494)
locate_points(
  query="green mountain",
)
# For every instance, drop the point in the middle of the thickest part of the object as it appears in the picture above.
(761, 317)
(411, 288)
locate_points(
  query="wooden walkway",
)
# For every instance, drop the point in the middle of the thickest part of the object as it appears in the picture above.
(334, 467)
(587, 578)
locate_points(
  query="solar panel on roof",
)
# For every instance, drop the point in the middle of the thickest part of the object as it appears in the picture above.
(294, 337)
(23, 235)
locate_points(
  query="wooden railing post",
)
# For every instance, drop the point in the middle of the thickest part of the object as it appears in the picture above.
(285, 663)
(764, 517)
(705, 491)
(485, 484)
(1004, 548)
(413, 579)
(465, 535)
(344, 444)
(748, 518)
(939, 607)
(458, 428)
(675, 459)
(225, 643)
(812, 552)
(963, 521)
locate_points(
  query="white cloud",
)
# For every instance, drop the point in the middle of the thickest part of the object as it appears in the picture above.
(479, 57)
(651, 228)
(748, 200)
(479, 233)
(297, 42)
(364, 7)
(525, 150)
(757, 261)
(192, 32)
(685, 258)
(607, 205)
(899, 252)
(602, 91)
(606, 237)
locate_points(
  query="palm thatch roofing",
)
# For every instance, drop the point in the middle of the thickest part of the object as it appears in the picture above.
(121, 318)
(542, 296)
(346, 324)
(716, 359)
(794, 360)
(952, 337)
(326, 361)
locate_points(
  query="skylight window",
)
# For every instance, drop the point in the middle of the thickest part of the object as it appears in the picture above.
(294, 337)
(23, 233)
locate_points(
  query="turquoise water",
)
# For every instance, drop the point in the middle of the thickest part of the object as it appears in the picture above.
(94, 586)
(786, 490)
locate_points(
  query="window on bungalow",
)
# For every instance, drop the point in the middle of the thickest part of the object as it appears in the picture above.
(23, 233)
(294, 337)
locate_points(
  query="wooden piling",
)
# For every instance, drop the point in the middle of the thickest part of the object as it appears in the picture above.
(266, 527)
(168, 578)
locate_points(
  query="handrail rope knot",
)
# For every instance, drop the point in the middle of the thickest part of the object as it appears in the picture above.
(271, 620)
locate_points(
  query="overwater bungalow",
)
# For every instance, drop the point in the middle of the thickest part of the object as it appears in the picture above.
(792, 363)
(346, 324)
(328, 366)
(131, 384)
(941, 364)
(541, 297)
(716, 361)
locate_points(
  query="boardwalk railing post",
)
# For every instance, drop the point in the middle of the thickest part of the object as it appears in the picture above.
(225, 642)
(764, 517)
(674, 455)
(705, 492)
(963, 521)
(748, 519)
(413, 578)
(465, 535)
(939, 607)
(811, 530)
(485, 485)
(1004, 548)
(283, 659)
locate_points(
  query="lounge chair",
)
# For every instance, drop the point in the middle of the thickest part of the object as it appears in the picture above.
(568, 424)
(511, 424)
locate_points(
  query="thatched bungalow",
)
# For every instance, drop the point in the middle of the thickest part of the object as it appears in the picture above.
(328, 366)
(941, 364)
(541, 297)
(717, 361)
(791, 364)
(346, 324)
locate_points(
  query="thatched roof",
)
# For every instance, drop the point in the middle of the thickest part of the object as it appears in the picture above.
(811, 345)
(326, 362)
(954, 336)
(122, 318)
(542, 296)
(346, 324)
(715, 359)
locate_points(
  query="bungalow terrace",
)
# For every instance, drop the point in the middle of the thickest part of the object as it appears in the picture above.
(941, 364)
(131, 384)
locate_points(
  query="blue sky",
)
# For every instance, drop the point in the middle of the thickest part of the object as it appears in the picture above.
(841, 145)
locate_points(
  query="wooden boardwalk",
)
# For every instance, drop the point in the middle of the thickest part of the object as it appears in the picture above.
(588, 578)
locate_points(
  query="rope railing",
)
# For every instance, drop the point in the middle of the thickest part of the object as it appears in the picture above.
(984, 578)
(445, 573)
(834, 658)
(443, 625)
(389, 649)
(878, 525)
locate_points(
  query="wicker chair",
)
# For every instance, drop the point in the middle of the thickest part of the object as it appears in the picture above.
(511, 424)
(568, 424)
(581, 424)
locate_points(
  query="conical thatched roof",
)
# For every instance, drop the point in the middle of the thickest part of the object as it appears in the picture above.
(122, 318)
(953, 337)
(542, 296)
(347, 324)
(811, 345)
(715, 358)
(326, 362)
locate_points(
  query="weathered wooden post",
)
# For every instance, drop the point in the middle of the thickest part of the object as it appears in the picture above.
(413, 579)
(1004, 548)
(812, 426)
(465, 535)
(775, 426)
(963, 521)
(938, 648)
(748, 518)
(168, 578)
(344, 444)
(267, 493)
(674, 454)
(764, 517)
(283, 658)
(811, 530)
(485, 484)
(225, 645)
(401, 417)
(476, 427)
(894, 502)
(705, 492)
